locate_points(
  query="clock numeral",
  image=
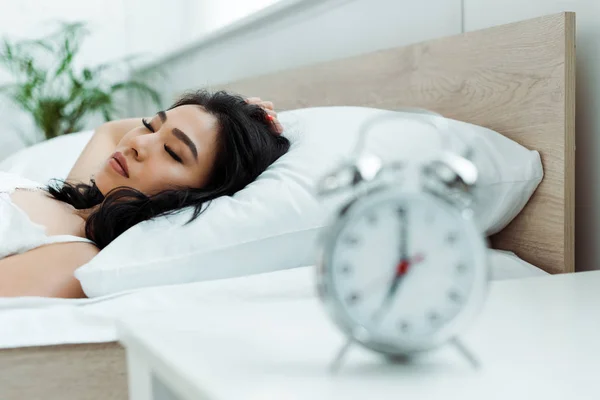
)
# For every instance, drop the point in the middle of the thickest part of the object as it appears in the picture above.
(353, 298)
(433, 317)
(401, 211)
(404, 326)
(350, 240)
(454, 296)
(452, 237)
(346, 269)
(372, 219)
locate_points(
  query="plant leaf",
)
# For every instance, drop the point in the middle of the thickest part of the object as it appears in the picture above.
(54, 94)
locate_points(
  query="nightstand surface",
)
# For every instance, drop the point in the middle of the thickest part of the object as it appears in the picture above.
(536, 338)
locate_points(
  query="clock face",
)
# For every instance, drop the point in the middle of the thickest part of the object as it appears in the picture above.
(404, 267)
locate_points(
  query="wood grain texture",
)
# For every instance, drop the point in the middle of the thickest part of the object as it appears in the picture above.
(81, 371)
(517, 79)
(570, 83)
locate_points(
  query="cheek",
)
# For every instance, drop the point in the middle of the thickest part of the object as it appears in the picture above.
(154, 178)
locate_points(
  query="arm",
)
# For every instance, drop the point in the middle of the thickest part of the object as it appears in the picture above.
(45, 271)
(102, 144)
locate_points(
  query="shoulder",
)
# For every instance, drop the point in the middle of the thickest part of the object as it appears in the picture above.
(61, 254)
(57, 217)
(70, 252)
(86, 251)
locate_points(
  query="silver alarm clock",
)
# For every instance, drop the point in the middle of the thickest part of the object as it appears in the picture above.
(402, 265)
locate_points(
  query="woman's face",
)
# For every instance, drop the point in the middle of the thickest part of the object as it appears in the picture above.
(177, 149)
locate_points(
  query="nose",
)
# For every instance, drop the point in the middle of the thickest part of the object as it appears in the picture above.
(140, 147)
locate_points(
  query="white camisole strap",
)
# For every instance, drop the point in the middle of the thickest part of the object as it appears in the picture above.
(66, 239)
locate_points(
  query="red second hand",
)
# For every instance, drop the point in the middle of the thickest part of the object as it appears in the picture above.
(404, 265)
(417, 259)
(402, 268)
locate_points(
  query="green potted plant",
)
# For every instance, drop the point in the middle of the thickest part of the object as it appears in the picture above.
(57, 95)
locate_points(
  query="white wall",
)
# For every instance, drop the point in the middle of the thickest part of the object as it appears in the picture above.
(208, 16)
(484, 13)
(157, 27)
(293, 33)
(31, 18)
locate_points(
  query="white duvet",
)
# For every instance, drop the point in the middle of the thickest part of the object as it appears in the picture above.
(34, 321)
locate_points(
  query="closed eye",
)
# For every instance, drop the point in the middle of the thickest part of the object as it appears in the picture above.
(147, 125)
(173, 154)
(167, 148)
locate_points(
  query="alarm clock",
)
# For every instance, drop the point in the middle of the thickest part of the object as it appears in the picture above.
(402, 265)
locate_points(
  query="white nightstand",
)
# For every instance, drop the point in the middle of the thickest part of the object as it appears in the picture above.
(536, 338)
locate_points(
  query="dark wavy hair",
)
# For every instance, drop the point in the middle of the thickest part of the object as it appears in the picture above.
(247, 144)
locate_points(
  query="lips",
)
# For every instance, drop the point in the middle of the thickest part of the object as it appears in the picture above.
(121, 164)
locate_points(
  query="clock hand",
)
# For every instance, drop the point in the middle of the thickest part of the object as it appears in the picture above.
(376, 283)
(403, 234)
(404, 264)
(401, 270)
(402, 267)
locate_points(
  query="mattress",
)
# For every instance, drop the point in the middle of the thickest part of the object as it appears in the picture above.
(36, 321)
(70, 345)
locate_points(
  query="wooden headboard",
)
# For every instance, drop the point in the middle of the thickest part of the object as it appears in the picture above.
(517, 79)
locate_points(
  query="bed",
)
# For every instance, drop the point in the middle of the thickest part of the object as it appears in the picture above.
(518, 79)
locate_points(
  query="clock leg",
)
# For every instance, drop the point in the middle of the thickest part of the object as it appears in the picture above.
(466, 353)
(337, 361)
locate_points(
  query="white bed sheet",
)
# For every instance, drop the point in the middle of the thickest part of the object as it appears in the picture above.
(31, 321)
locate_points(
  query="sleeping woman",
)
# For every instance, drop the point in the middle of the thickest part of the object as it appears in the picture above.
(204, 146)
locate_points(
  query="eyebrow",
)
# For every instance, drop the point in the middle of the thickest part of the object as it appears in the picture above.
(186, 140)
(178, 133)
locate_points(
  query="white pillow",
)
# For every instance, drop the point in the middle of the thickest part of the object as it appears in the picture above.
(273, 223)
(52, 158)
(507, 265)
